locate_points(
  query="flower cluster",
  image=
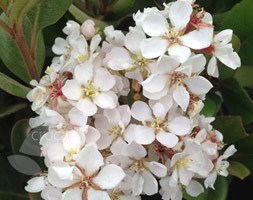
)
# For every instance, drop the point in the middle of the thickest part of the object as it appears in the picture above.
(124, 116)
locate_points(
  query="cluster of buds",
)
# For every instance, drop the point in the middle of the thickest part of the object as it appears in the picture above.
(124, 117)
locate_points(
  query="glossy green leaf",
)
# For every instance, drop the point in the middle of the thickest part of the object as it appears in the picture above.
(244, 152)
(13, 87)
(212, 105)
(231, 127)
(246, 51)
(48, 12)
(19, 133)
(239, 18)
(244, 76)
(19, 8)
(237, 100)
(236, 42)
(8, 110)
(238, 169)
(220, 192)
(10, 55)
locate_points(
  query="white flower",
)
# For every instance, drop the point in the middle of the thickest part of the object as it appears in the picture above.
(90, 88)
(88, 29)
(222, 50)
(36, 184)
(38, 96)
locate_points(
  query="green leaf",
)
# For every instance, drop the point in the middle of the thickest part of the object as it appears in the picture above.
(40, 52)
(244, 76)
(10, 55)
(13, 87)
(244, 152)
(19, 8)
(4, 4)
(236, 42)
(231, 127)
(7, 110)
(212, 105)
(122, 8)
(220, 192)
(50, 11)
(246, 51)
(237, 100)
(19, 133)
(238, 169)
(239, 18)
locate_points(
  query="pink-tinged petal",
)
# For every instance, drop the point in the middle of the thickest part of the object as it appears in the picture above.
(134, 150)
(97, 194)
(106, 100)
(181, 97)
(182, 52)
(60, 175)
(231, 60)
(156, 95)
(167, 64)
(144, 135)
(75, 193)
(72, 141)
(133, 40)
(155, 83)
(150, 185)
(167, 139)
(120, 59)
(198, 39)
(141, 111)
(155, 25)
(92, 135)
(159, 110)
(87, 107)
(90, 159)
(104, 80)
(109, 177)
(212, 68)
(153, 47)
(125, 114)
(198, 85)
(156, 168)
(194, 188)
(180, 126)
(179, 14)
(83, 73)
(223, 37)
(72, 90)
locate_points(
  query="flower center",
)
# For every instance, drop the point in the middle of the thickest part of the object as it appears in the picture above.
(177, 79)
(90, 90)
(183, 163)
(116, 131)
(82, 58)
(116, 195)
(157, 124)
(138, 166)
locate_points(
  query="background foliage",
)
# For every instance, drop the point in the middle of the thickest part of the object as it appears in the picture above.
(27, 32)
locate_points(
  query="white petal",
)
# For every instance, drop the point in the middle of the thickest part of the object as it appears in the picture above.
(109, 177)
(229, 152)
(144, 135)
(83, 73)
(181, 97)
(156, 95)
(133, 40)
(167, 64)
(77, 117)
(120, 59)
(223, 37)
(87, 107)
(90, 159)
(155, 83)
(141, 111)
(182, 52)
(92, 135)
(97, 195)
(138, 182)
(104, 80)
(56, 152)
(194, 188)
(150, 185)
(231, 60)
(185, 176)
(156, 168)
(167, 139)
(212, 68)
(113, 116)
(159, 110)
(75, 193)
(198, 39)
(72, 141)
(101, 122)
(72, 90)
(134, 150)
(180, 126)
(36, 184)
(125, 114)
(59, 46)
(106, 100)
(210, 180)
(198, 85)
(153, 47)
(155, 25)
(51, 193)
(179, 14)
(95, 42)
